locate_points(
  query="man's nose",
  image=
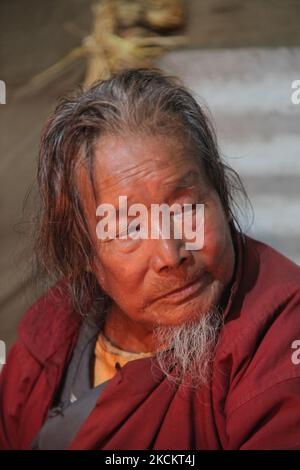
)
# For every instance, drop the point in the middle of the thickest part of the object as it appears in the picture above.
(168, 254)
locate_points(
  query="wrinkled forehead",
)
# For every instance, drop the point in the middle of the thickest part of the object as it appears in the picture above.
(141, 168)
(121, 165)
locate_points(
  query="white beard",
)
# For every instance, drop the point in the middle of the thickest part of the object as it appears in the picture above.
(191, 350)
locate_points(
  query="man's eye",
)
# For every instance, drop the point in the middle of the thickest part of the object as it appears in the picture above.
(129, 231)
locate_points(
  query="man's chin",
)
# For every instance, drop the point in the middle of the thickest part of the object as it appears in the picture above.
(176, 315)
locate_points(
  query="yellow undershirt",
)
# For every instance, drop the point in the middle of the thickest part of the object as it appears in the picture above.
(107, 358)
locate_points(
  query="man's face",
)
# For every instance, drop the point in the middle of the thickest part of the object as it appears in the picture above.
(141, 275)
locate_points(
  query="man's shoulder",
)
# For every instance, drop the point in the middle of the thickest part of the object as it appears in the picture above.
(48, 322)
(273, 265)
(269, 280)
(276, 287)
(263, 325)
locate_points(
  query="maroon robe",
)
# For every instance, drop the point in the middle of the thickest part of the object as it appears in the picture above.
(254, 400)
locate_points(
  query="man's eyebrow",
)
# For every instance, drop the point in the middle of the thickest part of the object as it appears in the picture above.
(188, 179)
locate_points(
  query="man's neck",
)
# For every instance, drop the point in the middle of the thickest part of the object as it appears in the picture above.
(127, 334)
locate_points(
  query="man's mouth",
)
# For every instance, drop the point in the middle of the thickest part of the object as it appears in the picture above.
(189, 290)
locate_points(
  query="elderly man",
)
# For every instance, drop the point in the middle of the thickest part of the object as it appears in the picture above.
(144, 342)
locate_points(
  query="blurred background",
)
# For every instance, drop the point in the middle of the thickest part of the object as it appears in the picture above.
(240, 57)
